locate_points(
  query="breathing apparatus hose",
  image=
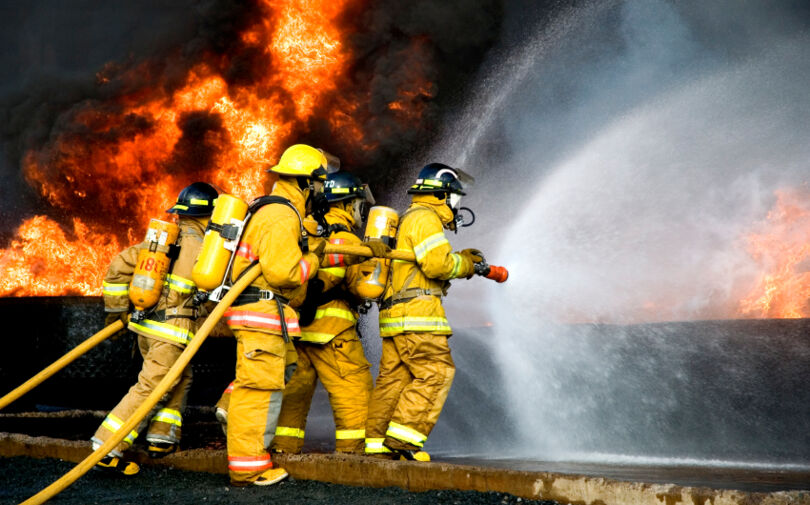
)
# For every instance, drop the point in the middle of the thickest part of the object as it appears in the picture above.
(492, 272)
(161, 389)
(62, 362)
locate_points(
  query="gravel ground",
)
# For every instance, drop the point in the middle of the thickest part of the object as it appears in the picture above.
(21, 478)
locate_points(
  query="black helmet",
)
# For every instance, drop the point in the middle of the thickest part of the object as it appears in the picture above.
(437, 177)
(344, 186)
(196, 200)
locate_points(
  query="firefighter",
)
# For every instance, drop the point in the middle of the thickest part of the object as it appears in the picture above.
(329, 348)
(416, 369)
(263, 317)
(163, 333)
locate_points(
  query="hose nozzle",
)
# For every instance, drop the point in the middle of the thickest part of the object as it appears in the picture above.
(496, 273)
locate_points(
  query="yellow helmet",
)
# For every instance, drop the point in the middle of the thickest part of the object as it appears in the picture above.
(301, 160)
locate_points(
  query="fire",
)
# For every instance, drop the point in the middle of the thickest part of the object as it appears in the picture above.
(43, 259)
(783, 252)
(120, 162)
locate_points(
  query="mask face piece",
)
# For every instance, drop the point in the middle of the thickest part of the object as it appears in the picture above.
(316, 203)
(360, 210)
(454, 201)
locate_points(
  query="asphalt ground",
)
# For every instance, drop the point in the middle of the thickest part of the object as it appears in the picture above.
(22, 477)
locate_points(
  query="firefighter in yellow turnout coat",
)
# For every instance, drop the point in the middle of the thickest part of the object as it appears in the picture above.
(416, 369)
(329, 348)
(162, 334)
(263, 318)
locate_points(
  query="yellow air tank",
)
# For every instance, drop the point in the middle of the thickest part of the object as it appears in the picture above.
(221, 238)
(152, 265)
(381, 225)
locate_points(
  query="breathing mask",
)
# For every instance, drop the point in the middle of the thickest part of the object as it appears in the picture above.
(462, 216)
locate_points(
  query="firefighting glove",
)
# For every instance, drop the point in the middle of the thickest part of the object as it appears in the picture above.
(378, 248)
(475, 257)
(112, 317)
(474, 254)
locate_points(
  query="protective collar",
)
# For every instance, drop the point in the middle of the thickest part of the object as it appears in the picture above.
(288, 188)
(438, 206)
(336, 215)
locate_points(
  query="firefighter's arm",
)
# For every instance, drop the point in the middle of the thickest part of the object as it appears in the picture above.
(283, 264)
(336, 264)
(434, 254)
(352, 270)
(115, 287)
(181, 287)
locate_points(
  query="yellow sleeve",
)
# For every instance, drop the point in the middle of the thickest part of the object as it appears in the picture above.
(284, 266)
(115, 287)
(334, 267)
(181, 287)
(434, 255)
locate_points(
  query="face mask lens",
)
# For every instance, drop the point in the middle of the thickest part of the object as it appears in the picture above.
(367, 195)
(454, 200)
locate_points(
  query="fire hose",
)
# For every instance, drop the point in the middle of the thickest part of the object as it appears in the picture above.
(61, 363)
(496, 273)
(162, 388)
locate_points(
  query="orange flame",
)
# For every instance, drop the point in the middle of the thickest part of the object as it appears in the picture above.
(43, 260)
(129, 179)
(783, 253)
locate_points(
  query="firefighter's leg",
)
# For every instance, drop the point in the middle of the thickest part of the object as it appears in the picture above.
(295, 405)
(166, 424)
(158, 357)
(428, 359)
(255, 405)
(344, 371)
(392, 379)
(222, 405)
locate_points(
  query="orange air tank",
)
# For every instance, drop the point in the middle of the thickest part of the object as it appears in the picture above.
(220, 242)
(152, 264)
(381, 225)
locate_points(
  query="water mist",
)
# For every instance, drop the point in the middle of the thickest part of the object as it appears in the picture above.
(623, 151)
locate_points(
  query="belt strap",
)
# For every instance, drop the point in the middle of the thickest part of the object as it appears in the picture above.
(173, 313)
(409, 294)
(253, 294)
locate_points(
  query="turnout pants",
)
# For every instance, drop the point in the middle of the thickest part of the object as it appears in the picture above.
(342, 367)
(263, 364)
(416, 372)
(165, 420)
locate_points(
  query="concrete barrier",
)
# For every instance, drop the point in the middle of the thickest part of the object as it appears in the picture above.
(413, 476)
